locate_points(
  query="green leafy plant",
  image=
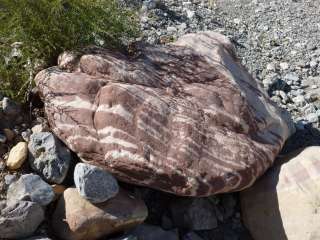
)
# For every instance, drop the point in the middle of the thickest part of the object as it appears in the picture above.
(34, 32)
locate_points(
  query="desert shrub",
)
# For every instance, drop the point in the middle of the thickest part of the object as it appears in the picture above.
(34, 32)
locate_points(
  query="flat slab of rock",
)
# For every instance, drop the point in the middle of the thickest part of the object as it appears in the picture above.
(77, 219)
(20, 219)
(185, 118)
(284, 203)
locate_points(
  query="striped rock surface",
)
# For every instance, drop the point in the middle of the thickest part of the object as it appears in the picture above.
(185, 118)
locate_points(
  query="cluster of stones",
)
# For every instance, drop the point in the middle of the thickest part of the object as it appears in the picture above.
(83, 211)
(96, 202)
(96, 194)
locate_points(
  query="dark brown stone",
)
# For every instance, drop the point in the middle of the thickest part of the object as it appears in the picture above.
(185, 118)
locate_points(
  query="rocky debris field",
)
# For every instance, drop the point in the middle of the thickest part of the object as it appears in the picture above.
(47, 193)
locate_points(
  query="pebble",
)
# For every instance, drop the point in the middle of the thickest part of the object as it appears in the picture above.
(30, 187)
(190, 14)
(149, 4)
(95, 184)
(291, 77)
(49, 157)
(313, 64)
(284, 65)
(284, 96)
(271, 67)
(171, 29)
(312, 118)
(17, 156)
(311, 46)
(20, 220)
(299, 100)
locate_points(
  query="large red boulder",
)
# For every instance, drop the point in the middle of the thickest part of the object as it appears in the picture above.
(185, 118)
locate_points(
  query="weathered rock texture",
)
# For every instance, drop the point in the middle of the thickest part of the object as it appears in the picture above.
(285, 203)
(185, 118)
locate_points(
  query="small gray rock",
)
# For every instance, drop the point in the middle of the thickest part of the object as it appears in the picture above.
(312, 118)
(271, 67)
(149, 5)
(171, 29)
(291, 77)
(299, 100)
(311, 46)
(194, 214)
(95, 184)
(49, 157)
(30, 187)
(20, 219)
(9, 107)
(284, 65)
(313, 64)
